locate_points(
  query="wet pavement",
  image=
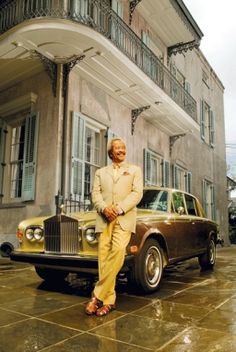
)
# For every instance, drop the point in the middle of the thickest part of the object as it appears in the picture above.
(191, 311)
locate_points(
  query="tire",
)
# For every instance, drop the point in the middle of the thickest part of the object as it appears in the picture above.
(208, 259)
(148, 268)
(51, 275)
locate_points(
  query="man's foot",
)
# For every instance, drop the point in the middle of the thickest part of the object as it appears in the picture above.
(104, 310)
(93, 305)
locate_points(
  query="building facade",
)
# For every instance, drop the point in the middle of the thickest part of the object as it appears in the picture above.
(75, 73)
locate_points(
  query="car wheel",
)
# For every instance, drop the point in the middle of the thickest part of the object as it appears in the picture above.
(148, 268)
(51, 275)
(208, 259)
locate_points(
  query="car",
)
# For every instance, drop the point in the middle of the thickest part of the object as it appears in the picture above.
(171, 227)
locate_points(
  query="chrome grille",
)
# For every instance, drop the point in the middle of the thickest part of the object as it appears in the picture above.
(61, 235)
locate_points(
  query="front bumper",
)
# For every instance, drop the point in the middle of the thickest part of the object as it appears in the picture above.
(64, 262)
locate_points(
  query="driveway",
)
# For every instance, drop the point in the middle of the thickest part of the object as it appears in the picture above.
(192, 311)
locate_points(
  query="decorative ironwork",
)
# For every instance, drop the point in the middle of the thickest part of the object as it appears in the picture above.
(180, 47)
(50, 68)
(73, 203)
(115, 29)
(132, 6)
(135, 114)
(67, 67)
(174, 138)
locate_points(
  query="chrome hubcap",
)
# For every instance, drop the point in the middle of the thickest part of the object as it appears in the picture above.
(153, 266)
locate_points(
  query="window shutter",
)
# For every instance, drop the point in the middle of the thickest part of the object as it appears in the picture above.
(166, 173)
(3, 132)
(212, 129)
(188, 182)
(78, 131)
(187, 87)
(147, 167)
(30, 153)
(213, 207)
(202, 120)
(117, 7)
(175, 176)
(204, 196)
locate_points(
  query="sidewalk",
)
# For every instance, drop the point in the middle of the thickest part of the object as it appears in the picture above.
(192, 311)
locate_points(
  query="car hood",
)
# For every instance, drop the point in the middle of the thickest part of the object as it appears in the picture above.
(89, 217)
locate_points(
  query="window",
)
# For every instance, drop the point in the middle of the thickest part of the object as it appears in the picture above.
(207, 124)
(86, 155)
(208, 191)
(156, 170)
(191, 205)
(117, 7)
(177, 201)
(154, 200)
(117, 33)
(205, 78)
(182, 179)
(23, 137)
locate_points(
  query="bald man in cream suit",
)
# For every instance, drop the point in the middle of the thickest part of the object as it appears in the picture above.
(117, 190)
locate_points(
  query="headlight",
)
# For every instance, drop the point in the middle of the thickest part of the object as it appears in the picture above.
(90, 236)
(29, 234)
(38, 234)
(34, 234)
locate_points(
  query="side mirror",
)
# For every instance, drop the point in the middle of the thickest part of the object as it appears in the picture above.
(180, 210)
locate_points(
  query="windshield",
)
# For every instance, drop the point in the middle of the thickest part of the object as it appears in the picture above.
(154, 200)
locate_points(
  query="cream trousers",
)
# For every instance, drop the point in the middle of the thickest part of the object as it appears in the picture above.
(111, 252)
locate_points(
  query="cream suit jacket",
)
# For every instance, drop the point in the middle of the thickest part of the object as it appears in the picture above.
(125, 190)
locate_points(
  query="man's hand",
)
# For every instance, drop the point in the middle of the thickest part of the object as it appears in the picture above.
(110, 213)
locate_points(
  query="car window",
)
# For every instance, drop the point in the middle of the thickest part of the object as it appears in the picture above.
(154, 200)
(191, 205)
(178, 202)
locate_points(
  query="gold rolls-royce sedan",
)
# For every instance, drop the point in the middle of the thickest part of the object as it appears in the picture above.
(171, 227)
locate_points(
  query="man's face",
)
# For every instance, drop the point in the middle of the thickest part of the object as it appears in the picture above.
(118, 152)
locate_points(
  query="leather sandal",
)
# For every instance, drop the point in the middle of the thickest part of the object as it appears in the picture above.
(93, 305)
(104, 310)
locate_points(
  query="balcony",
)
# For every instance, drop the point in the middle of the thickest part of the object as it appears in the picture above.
(98, 16)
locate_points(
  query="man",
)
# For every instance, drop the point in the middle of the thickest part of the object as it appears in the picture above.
(117, 190)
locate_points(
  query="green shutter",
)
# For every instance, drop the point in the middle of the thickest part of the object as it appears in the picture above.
(78, 131)
(147, 167)
(187, 87)
(204, 195)
(175, 176)
(188, 182)
(117, 7)
(212, 129)
(202, 120)
(213, 207)
(3, 132)
(166, 173)
(30, 153)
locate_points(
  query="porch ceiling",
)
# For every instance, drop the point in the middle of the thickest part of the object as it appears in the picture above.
(104, 65)
(171, 20)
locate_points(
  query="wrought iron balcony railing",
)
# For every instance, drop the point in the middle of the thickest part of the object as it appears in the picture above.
(98, 15)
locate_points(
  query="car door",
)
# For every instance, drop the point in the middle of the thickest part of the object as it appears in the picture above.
(184, 226)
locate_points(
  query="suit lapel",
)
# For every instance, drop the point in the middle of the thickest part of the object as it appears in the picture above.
(121, 170)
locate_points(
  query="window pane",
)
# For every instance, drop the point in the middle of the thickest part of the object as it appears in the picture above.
(16, 159)
(154, 200)
(178, 201)
(89, 173)
(191, 207)
(16, 179)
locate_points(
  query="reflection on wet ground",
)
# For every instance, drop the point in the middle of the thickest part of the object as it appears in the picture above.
(192, 310)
